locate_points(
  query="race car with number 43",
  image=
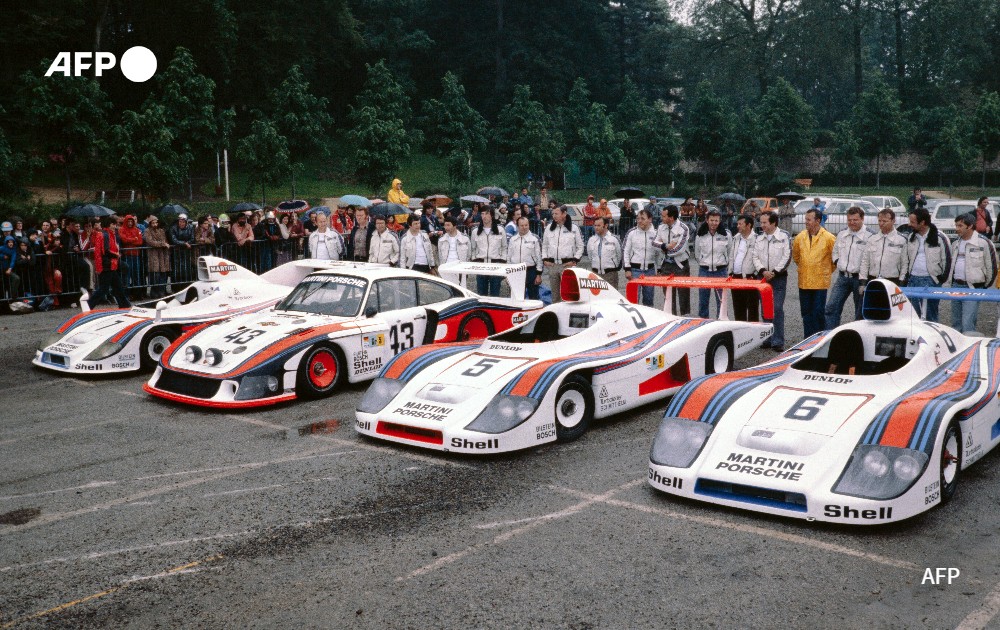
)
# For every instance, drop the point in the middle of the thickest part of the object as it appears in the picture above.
(125, 340)
(590, 356)
(869, 423)
(339, 325)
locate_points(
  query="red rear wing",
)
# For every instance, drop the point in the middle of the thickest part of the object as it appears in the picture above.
(686, 282)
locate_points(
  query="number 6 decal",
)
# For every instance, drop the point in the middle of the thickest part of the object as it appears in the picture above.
(806, 408)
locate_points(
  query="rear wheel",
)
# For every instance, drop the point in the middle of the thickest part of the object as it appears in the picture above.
(951, 460)
(320, 372)
(719, 355)
(574, 408)
(475, 325)
(153, 345)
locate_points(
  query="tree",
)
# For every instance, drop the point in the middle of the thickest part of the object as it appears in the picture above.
(301, 117)
(708, 128)
(660, 152)
(458, 131)
(747, 145)
(383, 92)
(788, 124)
(600, 147)
(954, 151)
(188, 102)
(986, 130)
(14, 168)
(879, 125)
(528, 135)
(145, 151)
(265, 153)
(380, 145)
(575, 114)
(628, 118)
(844, 159)
(67, 116)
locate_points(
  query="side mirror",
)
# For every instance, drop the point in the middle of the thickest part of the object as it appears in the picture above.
(371, 311)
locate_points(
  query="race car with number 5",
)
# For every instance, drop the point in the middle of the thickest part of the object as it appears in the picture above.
(336, 326)
(590, 356)
(869, 423)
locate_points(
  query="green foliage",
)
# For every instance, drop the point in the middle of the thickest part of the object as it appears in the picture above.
(574, 116)
(954, 151)
(600, 148)
(986, 124)
(380, 146)
(709, 125)
(383, 92)
(300, 116)
(528, 135)
(659, 152)
(879, 124)
(145, 151)
(264, 153)
(845, 160)
(456, 131)
(788, 124)
(628, 118)
(14, 168)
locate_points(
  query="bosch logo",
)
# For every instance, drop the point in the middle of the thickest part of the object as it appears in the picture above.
(138, 64)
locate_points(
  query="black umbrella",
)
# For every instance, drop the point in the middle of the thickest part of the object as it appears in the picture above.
(244, 207)
(171, 209)
(629, 192)
(794, 196)
(495, 191)
(90, 210)
(386, 208)
(731, 196)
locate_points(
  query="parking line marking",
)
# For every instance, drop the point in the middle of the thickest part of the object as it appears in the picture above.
(982, 616)
(128, 393)
(504, 537)
(66, 430)
(748, 529)
(358, 444)
(273, 486)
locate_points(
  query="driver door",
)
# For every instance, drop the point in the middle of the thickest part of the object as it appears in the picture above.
(398, 306)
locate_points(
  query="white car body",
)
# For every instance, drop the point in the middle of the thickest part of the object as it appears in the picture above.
(590, 356)
(338, 324)
(836, 214)
(865, 424)
(125, 340)
(945, 211)
(892, 203)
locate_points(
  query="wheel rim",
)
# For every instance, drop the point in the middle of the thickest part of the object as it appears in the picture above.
(570, 408)
(720, 362)
(322, 369)
(475, 328)
(156, 346)
(949, 458)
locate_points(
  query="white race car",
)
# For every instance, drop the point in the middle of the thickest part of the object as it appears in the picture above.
(338, 325)
(125, 340)
(865, 424)
(592, 355)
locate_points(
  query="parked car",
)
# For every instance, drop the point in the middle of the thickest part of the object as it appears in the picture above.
(766, 204)
(945, 212)
(891, 203)
(836, 212)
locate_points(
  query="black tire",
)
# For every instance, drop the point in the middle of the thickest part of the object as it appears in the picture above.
(153, 345)
(314, 378)
(473, 324)
(574, 408)
(951, 460)
(714, 357)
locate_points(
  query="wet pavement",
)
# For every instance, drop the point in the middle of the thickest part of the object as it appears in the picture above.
(118, 509)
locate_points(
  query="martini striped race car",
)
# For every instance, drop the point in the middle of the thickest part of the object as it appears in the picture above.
(127, 340)
(590, 356)
(339, 325)
(869, 423)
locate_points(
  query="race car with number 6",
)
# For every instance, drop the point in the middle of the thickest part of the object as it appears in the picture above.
(590, 356)
(336, 326)
(869, 423)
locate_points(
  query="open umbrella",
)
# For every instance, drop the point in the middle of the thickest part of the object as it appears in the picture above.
(629, 192)
(384, 209)
(440, 201)
(172, 209)
(414, 203)
(90, 210)
(731, 196)
(495, 191)
(355, 200)
(324, 209)
(793, 196)
(244, 207)
(292, 206)
(475, 199)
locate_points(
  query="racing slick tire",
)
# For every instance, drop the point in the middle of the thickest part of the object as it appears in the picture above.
(951, 460)
(475, 325)
(574, 408)
(153, 345)
(321, 370)
(719, 354)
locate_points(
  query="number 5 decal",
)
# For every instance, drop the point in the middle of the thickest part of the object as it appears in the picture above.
(480, 368)
(636, 316)
(806, 408)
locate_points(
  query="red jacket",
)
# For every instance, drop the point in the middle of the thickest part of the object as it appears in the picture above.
(130, 236)
(105, 244)
(345, 226)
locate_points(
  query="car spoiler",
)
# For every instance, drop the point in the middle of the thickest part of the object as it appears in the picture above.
(687, 282)
(955, 294)
(514, 272)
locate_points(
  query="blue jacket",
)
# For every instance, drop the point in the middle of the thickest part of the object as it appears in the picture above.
(8, 253)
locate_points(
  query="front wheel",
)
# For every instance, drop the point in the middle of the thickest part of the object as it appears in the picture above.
(320, 372)
(153, 346)
(719, 355)
(475, 325)
(951, 460)
(574, 408)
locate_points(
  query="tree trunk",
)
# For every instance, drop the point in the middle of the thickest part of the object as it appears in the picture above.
(982, 182)
(858, 79)
(900, 42)
(190, 189)
(69, 191)
(293, 182)
(102, 12)
(500, 82)
(263, 193)
(878, 171)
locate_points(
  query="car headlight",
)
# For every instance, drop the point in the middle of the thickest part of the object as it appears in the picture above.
(193, 354)
(213, 356)
(104, 351)
(503, 414)
(252, 387)
(379, 393)
(51, 339)
(678, 442)
(881, 472)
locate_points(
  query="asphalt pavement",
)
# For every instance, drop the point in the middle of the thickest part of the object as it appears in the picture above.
(117, 509)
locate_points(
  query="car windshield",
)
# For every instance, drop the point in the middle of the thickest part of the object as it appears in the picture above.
(950, 211)
(339, 296)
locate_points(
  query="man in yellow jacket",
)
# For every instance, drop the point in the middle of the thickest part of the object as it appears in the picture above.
(396, 194)
(812, 251)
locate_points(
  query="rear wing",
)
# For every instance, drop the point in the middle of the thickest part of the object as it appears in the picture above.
(291, 273)
(687, 282)
(214, 269)
(514, 272)
(955, 294)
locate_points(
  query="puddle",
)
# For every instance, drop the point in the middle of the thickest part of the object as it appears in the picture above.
(323, 426)
(20, 517)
